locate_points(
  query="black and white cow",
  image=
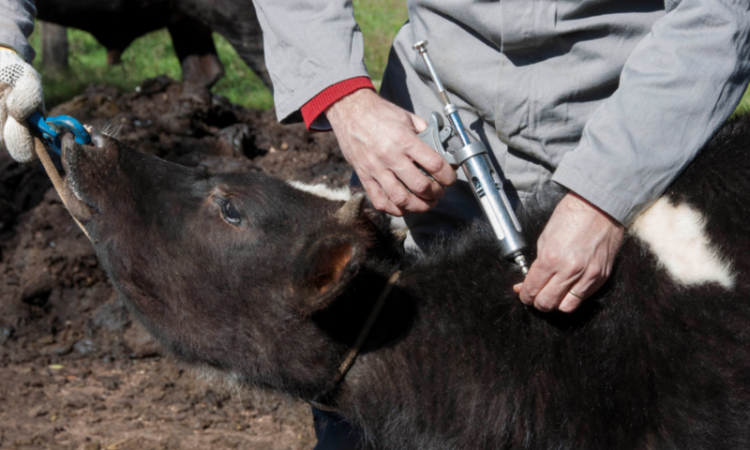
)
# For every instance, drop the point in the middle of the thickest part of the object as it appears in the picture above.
(271, 282)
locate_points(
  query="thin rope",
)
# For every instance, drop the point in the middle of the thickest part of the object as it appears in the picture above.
(351, 355)
(57, 182)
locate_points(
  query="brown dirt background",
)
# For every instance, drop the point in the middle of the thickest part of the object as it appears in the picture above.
(76, 372)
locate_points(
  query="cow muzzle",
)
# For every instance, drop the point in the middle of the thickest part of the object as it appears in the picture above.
(88, 168)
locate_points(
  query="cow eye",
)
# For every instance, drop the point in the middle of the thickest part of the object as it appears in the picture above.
(230, 213)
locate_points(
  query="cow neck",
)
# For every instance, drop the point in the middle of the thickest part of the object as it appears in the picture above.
(351, 355)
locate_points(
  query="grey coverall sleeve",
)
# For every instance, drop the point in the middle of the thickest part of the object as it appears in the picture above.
(16, 25)
(309, 45)
(677, 88)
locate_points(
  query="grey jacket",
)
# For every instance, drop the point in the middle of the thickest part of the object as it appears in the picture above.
(16, 25)
(610, 98)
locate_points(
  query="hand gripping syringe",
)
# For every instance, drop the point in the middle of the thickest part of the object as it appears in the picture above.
(478, 168)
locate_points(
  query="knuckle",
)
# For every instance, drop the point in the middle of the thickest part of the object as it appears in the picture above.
(382, 156)
(530, 291)
(433, 162)
(421, 185)
(543, 305)
(528, 294)
(401, 136)
(379, 204)
(400, 200)
(552, 257)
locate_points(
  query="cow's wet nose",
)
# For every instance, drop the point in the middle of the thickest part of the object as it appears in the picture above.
(97, 138)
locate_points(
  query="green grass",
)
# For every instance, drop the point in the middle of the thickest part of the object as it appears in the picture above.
(240, 84)
(744, 106)
(149, 56)
(379, 21)
(153, 55)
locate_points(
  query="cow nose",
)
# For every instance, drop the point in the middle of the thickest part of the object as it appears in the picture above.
(97, 138)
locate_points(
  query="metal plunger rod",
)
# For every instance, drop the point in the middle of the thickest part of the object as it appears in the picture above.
(449, 109)
(421, 47)
(485, 183)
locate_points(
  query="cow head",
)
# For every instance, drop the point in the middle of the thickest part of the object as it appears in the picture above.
(236, 270)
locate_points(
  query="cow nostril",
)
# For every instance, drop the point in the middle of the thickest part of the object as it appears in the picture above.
(98, 141)
(97, 138)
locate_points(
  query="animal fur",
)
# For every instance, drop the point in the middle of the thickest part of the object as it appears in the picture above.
(654, 360)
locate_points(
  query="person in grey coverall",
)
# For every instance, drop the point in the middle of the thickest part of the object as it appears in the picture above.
(610, 99)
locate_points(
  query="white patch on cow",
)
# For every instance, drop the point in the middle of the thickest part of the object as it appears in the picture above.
(401, 231)
(398, 226)
(321, 190)
(677, 237)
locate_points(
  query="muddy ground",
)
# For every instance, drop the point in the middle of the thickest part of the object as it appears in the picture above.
(76, 372)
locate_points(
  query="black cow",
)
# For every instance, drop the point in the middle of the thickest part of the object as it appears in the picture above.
(116, 24)
(271, 283)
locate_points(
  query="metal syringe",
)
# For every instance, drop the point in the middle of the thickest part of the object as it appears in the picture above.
(478, 168)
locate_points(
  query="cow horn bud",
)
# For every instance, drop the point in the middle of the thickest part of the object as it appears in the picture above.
(351, 209)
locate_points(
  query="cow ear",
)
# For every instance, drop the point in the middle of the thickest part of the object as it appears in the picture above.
(330, 262)
(327, 267)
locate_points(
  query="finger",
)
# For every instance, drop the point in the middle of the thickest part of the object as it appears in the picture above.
(432, 162)
(517, 288)
(379, 199)
(585, 287)
(18, 141)
(417, 182)
(419, 123)
(570, 302)
(552, 294)
(400, 196)
(26, 96)
(534, 282)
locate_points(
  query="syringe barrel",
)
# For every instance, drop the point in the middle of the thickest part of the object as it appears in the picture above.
(489, 192)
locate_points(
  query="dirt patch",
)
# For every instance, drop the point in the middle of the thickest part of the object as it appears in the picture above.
(75, 370)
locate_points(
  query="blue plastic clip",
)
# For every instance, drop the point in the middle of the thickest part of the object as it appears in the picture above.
(51, 129)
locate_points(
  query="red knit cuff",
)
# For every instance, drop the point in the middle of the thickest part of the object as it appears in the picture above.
(330, 95)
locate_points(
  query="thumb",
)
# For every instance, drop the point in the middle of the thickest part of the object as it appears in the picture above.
(18, 141)
(419, 123)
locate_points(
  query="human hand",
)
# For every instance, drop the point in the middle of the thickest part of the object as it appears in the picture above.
(20, 96)
(380, 141)
(575, 253)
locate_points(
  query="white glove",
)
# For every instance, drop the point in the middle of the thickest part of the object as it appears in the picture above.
(20, 96)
